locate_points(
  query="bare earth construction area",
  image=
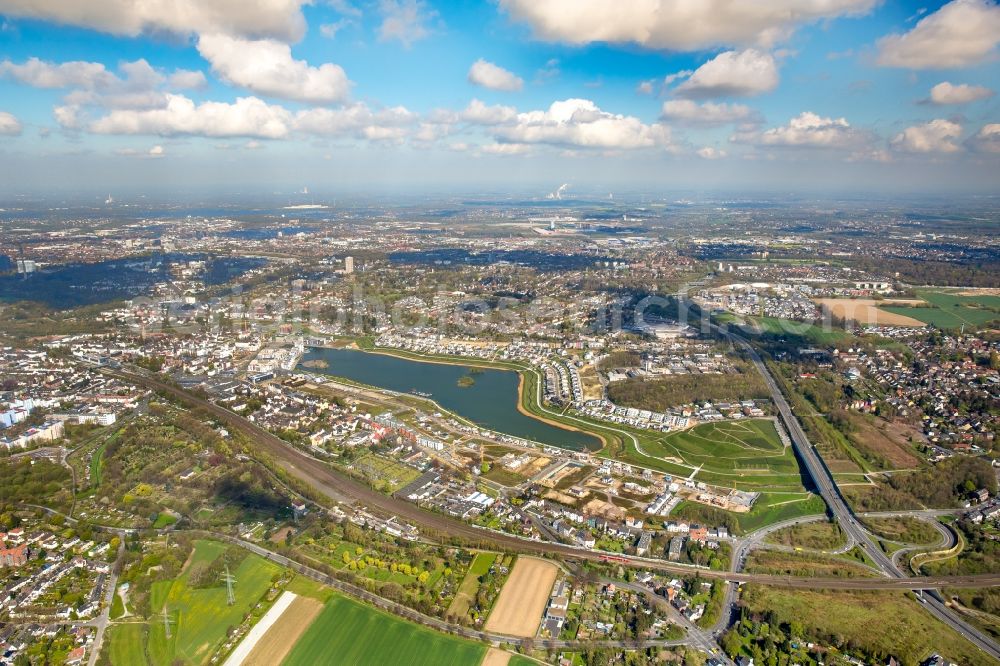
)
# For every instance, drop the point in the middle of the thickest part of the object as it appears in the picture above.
(866, 311)
(519, 608)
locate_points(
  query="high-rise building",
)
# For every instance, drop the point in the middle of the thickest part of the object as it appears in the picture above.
(348, 265)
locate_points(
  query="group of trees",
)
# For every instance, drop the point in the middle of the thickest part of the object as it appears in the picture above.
(661, 394)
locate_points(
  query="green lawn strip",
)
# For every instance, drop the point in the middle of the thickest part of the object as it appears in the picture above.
(349, 632)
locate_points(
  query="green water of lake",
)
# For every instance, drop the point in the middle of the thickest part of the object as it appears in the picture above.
(490, 401)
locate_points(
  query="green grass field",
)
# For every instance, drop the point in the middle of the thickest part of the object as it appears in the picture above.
(125, 644)
(951, 310)
(812, 333)
(349, 632)
(201, 617)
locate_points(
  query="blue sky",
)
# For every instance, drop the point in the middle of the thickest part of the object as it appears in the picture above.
(340, 95)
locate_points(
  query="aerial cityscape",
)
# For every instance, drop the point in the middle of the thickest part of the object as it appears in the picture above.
(527, 332)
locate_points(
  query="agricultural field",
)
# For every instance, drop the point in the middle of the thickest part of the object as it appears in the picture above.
(199, 616)
(272, 638)
(349, 632)
(518, 610)
(952, 309)
(869, 312)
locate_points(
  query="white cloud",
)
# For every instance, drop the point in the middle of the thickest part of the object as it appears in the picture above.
(280, 19)
(9, 125)
(579, 123)
(644, 88)
(676, 24)
(988, 138)
(404, 20)
(358, 121)
(157, 151)
(486, 74)
(808, 130)
(961, 33)
(266, 67)
(963, 93)
(732, 73)
(683, 74)
(478, 113)
(936, 136)
(68, 116)
(687, 112)
(76, 74)
(710, 153)
(246, 117)
(188, 79)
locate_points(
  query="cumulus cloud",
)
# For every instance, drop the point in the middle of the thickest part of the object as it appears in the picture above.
(479, 113)
(687, 112)
(405, 21)
(963, 93)
(676, 24)
(266, 67)
(986, 140)
(188, 79)
(279, 19)
(936, 136)
(357, 120)
(246, 117)
(808, 130)
(134, 85)
(486, 74)
(732, 74)
(9, 125)
(961, 33)
(76, 74)
(579, 123)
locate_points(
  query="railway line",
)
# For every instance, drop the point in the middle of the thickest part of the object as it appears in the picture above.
(339, 487)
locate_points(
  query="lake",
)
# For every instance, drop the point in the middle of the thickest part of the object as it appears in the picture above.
(490, 401)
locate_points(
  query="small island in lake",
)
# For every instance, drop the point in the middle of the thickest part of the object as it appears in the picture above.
(466, 381)
(317, 364)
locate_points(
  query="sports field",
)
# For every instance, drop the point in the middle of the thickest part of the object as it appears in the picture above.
(953, 310)
(199, 618)
(518, 610)
(351, 633)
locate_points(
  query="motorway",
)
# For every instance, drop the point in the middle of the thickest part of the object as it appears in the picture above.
(841, 511)
(337, 486)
